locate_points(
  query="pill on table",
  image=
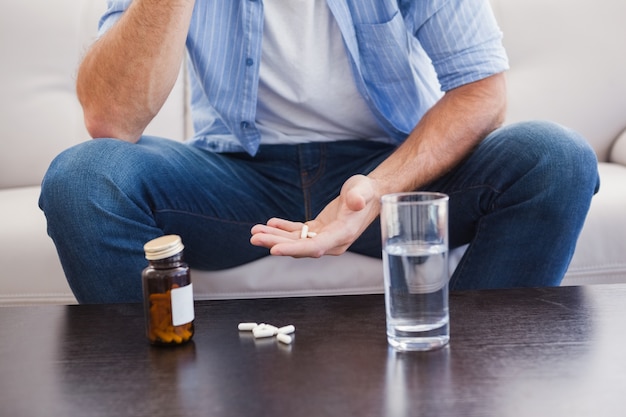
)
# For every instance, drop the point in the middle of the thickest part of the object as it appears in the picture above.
(270, 327)
(286, 329)
(304, 232)
(247, 327)
(263, 331)
(284, 338)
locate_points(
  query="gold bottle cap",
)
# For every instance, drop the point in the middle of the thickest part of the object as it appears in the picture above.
(163, 247)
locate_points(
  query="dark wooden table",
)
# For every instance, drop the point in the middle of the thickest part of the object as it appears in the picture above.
(535, 352)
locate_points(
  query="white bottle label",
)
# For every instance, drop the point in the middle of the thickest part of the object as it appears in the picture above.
(182, 305)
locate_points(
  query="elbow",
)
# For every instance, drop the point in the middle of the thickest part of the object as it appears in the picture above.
(100, 125)
(500, 98)
(104, 117)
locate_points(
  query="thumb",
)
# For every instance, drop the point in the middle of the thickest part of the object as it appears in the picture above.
(358, 192)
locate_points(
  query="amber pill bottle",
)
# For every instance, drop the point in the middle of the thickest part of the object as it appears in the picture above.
(167, 292)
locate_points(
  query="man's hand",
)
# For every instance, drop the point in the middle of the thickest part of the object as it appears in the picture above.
(446, 135)
(336, 227)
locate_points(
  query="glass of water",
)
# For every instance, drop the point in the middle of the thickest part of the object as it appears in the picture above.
(414, 230)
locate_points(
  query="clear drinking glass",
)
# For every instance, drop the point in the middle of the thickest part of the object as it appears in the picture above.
(414, 230)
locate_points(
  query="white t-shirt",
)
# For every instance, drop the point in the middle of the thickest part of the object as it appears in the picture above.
(306, 86)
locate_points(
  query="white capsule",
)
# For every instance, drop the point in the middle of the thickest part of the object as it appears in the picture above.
(286, 329)
(284, 338)
(247, 327)
(269, 326)
(261, 331)
(311, 234)
(304, 232)
(264, 330)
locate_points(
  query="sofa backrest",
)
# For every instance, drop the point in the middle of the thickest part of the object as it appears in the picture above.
(41, 43)
(568, 64)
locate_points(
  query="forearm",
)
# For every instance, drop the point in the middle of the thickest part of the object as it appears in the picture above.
(447, 134)
(127, 74)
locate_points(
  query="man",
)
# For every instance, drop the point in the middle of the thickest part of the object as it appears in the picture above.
(308, 111)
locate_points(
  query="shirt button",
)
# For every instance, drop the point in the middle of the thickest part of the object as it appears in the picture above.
(245, 125)
(249, 62)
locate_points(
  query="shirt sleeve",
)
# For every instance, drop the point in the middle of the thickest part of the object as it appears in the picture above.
(114, 11)
(461, 37)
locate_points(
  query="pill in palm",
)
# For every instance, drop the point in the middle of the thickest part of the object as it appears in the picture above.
(304, 232)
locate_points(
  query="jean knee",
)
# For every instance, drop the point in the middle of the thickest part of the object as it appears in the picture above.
(73, 174)
(57, 181)
(565, 157)
(573, 159)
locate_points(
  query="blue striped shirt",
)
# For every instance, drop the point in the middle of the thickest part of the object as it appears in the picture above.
(404, 53)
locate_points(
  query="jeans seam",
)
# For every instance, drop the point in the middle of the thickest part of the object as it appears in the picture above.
(307, 183)
(203, 216)
(467, 255)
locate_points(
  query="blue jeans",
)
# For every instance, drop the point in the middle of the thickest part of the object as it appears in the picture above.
(520, 200)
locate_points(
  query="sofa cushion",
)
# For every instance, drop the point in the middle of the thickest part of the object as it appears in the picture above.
(600, 255)
(31, 271)
(273, 276)
(284, 276)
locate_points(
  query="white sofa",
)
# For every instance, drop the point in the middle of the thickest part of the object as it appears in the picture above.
(567, 66)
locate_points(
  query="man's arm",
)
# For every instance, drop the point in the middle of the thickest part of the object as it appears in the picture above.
(127, 74)
(447, 134)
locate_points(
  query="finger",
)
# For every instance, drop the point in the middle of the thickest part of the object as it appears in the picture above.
(310, 248)
(314, 247)
(355, 201)
(295, 229)
(269, 240)
(262, 228)
(268, 230)
(289, 243)
(284, 224)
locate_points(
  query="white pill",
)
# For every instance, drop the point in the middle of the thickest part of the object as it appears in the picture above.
(304, 232)
(284, 338)
(269, 326)
(286, 329)
(274, 329)
(247, 327)
(261, 331)
(311, 234)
